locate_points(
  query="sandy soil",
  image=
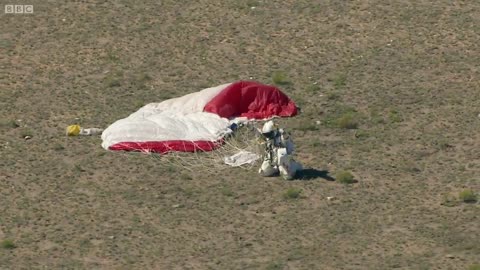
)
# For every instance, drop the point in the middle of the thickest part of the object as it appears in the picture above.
(405, 73)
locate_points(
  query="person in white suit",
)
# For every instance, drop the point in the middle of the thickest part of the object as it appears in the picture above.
(278, 153)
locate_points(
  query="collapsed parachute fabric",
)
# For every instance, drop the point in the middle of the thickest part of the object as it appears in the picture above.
(197, 121)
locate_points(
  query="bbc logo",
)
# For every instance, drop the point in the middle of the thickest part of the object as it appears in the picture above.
(19, 9)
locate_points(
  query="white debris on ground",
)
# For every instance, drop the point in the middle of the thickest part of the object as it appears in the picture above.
(241, 158)
(90, 131)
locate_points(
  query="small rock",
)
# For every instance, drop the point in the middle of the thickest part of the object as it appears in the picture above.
(111, 237)
(27, 137)
(252, 8)
(450, 256)
(177, 206)
(318, 122)
(331, 198)
(478, 115)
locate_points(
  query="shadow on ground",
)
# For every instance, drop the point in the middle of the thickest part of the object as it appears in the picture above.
(311, 174)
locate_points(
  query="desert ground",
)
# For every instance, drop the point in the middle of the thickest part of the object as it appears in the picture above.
(389, 92)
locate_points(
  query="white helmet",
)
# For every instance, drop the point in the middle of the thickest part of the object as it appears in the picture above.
(268, 127)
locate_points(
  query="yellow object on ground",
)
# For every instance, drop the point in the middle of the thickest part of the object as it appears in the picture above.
(73, 130)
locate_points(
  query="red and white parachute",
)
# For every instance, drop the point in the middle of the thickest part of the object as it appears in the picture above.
(197, 121)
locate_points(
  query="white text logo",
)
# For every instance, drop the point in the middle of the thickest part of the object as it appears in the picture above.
(19, 9)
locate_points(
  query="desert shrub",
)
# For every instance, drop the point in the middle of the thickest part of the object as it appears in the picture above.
(58, 147)
(333, 96)
(140, 80)
(347, 121)
(8, 124)
(113, 79)
(340, 80)
(275, 266)
(306, 125)
(292, 193)
(468, 196)
(7, 244)
(442, 144)
(26, 132)
(395, 116)
(362, 134)
(112, 82)
(474, 267)
(227, 192)
(345, 177)
(280, 78)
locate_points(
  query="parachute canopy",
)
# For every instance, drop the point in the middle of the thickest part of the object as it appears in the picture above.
(197, 121)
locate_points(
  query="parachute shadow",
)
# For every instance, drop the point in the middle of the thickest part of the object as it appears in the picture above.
(311, 174)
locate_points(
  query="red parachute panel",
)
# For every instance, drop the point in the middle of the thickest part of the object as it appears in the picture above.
(252, 100)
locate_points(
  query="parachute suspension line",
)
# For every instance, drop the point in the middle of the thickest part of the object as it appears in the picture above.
(243, 139)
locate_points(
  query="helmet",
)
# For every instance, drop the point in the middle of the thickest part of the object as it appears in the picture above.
(73, 130)
(268, 127)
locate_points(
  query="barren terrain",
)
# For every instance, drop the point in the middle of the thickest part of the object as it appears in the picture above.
(404, 73)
